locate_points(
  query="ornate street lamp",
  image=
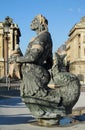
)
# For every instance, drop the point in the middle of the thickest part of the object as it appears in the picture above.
(6, 27)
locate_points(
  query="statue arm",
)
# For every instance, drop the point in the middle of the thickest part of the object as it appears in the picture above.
(49, 62)
(32, 55)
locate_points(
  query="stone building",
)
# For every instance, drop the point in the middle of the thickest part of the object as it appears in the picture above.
(75, 49)
(62, 49)
(7, 43)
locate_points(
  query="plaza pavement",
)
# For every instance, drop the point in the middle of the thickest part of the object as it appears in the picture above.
(14, 115)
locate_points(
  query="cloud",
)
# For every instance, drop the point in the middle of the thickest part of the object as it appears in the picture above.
(77, 10)
(70, 10)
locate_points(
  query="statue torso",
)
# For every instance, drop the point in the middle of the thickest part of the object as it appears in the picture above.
(43, 43)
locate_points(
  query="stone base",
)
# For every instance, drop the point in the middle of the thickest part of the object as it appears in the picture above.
(78, 111)
(47, 122)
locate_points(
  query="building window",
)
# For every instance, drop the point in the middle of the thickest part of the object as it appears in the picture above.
(79, 38)
(84, 51)
(84, 39)
(79, 51)
(0, 52)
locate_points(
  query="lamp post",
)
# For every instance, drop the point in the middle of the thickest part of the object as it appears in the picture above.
(6, 26)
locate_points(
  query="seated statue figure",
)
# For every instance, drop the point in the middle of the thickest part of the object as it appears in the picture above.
(40, 72)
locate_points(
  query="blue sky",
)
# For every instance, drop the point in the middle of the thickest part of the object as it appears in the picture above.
(61, 15)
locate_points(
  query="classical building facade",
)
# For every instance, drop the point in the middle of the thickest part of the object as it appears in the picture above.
(75, 49)
(7, 44)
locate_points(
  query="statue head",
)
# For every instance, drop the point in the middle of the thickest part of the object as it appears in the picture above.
(39, 23)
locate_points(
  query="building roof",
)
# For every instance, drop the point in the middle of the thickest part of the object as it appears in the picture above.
(80, 25)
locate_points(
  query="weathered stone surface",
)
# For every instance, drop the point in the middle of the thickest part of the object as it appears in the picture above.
(39, 72)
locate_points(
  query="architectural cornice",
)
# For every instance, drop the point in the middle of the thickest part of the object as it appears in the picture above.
(79, 61)
(80, 25)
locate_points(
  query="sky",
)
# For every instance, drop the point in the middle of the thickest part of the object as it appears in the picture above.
(62, 15)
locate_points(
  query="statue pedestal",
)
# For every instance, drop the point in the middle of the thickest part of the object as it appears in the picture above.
(47, 122)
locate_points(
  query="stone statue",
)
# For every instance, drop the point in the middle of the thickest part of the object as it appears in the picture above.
(15, 68)
(59, 60)
(48, 92)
